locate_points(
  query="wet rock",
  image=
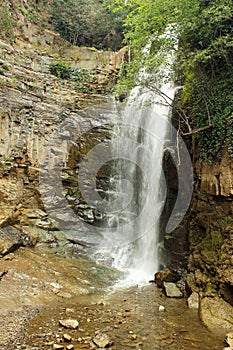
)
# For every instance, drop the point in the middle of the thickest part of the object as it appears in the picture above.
(172, 291)
(70, 323)
(102, 340)
(193, 301)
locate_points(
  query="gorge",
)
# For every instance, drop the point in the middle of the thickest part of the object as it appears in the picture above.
(87, 187)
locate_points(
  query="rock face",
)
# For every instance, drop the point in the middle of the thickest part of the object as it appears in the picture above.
(217, 178)
(211, 242)
(202, 244)
(207, 229)
(35, 106)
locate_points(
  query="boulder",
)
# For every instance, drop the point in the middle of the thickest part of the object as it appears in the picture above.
(216, 314)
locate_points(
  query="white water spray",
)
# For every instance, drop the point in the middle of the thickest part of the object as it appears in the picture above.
(138, 144)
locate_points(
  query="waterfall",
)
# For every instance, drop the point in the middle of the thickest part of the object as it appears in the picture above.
(138, 181)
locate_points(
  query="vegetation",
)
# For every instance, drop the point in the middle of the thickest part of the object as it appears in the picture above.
(204, 65)
(6, 22)
(88, 23)
(60, 69)
(81, 77)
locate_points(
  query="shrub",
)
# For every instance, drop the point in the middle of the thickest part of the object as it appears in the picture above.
(61, 70)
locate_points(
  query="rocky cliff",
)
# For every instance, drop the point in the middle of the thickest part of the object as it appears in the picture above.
(33, 104)
(203, 242)
(211, 241)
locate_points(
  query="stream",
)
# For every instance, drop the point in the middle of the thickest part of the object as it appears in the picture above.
(44, 286)
(130, 318)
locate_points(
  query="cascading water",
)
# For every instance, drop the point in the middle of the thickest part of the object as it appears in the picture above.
(138, 147)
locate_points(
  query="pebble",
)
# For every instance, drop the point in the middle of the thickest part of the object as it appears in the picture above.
(64, 295)
(70, 324)
(70, 347)
(58, 346)
(67, 337)
(102, 340)
(229, 339)
(161, 308)
(132, 336)
(69, 311)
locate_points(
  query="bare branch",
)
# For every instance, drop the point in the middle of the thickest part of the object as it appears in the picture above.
(196, 130)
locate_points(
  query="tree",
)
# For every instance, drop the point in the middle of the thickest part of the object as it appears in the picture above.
(203, 67)
(87, 22)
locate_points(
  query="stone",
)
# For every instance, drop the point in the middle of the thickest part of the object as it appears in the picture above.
(193, 301)
(64, 295)
(70, 323)
(229, 339)
(165, 276)
(67, 337)
(58, 346)
(172, 291)
(102, 340)
(69, 311)
(132, 336)
(161, 308)
(70, 347)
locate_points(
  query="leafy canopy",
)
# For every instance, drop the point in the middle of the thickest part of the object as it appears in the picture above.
(204, 65)
(87, 22)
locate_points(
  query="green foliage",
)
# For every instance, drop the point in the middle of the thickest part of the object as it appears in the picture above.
(60, 69)
(204, 29)
(81, 77)
(6, 22)
(29, 13)
(87, 22)
(212, 97)
(206, 60)
(4, 67)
